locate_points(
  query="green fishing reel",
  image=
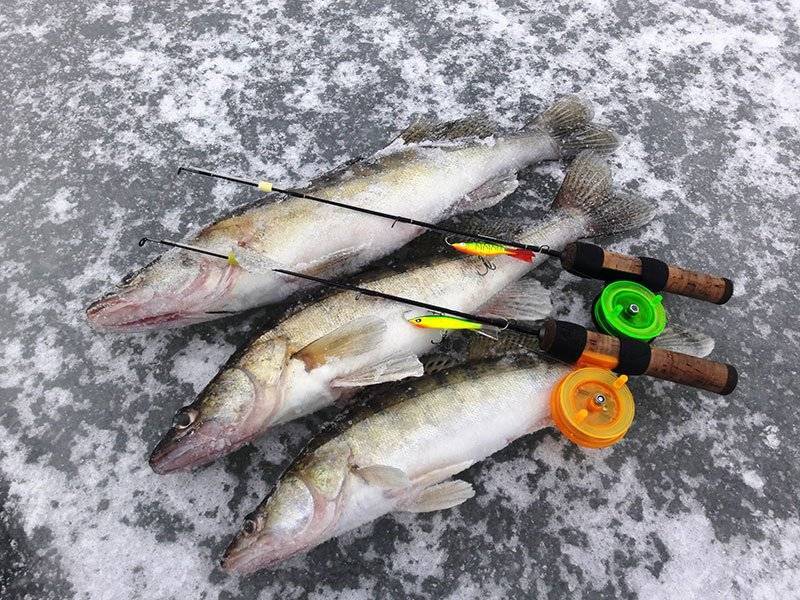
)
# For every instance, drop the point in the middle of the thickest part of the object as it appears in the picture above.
(630, 310)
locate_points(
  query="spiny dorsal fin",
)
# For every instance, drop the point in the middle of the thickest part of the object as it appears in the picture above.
(441, 496)
(394, 368)
(426, 130)
(507, 344)
(436, 363)
(351, 339)
(480, 223)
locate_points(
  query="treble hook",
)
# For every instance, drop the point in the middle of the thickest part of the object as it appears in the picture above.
(439, 341)
(490, 266)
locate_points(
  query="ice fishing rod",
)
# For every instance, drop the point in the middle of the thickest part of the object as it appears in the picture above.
(565, 341)
(583, 259)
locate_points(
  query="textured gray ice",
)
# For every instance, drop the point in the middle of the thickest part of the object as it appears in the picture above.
(102, 102)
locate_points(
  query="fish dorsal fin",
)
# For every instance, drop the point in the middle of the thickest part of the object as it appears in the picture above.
(351, 339)
(509, 344)
(428, 130)
(480, 223)
(525, 300)
(394, 368)
(436, 363)
(383, 476)
(683, 340)
(440, 496)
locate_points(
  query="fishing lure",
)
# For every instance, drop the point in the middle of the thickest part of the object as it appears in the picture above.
(448, 323)
(488, 250)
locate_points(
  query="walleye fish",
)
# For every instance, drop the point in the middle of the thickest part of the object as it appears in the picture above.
(322, 353)
(400, 450)
(431, 171)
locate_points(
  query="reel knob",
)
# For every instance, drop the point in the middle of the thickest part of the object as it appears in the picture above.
(628, 309)
(592, 407)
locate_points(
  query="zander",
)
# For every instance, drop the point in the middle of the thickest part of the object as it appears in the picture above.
(323, 352)
(432, 171)
(399, 449)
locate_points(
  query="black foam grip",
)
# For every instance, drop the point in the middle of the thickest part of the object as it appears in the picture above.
(728, 291)
(733, 380)
(634, 357)
(566, 341)
(655, 273)
(588, 261)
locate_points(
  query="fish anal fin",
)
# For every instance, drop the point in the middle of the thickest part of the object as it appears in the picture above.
(687, 341)
(354, 338)
(524, 300)
(394, 368)
(440, 496)
(332, 263)
(383, 476)
(491, 192)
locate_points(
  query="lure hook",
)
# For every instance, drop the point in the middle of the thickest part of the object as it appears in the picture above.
(490, 266)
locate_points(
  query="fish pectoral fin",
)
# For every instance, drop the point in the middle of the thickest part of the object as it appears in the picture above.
(440, 496)
(426, 130)
(383, 476)
(394, 368)
(352, 339)
(490, 192)
(525, 300)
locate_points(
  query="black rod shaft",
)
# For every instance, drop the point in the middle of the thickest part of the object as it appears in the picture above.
(501, 323)
(396, 218)
(144, 240)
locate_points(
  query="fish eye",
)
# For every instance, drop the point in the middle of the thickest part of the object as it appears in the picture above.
(184, 418)
(249, 526)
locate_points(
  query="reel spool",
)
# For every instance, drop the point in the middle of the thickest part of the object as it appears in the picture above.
(592, 407)
(628, 309)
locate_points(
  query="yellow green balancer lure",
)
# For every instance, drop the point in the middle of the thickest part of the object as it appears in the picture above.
(487, 249)
(444, 322)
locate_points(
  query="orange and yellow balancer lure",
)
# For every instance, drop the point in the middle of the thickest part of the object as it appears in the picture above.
(488, 250)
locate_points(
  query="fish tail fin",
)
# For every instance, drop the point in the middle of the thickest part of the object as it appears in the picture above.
(586, 193)
(592, 137)
(568, 121)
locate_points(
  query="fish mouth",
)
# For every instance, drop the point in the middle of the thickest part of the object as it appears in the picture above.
(116, 313)
(262, 555)
(176, 453)
(145, 306)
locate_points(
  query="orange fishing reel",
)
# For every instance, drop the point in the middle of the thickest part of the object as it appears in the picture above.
(592, 407)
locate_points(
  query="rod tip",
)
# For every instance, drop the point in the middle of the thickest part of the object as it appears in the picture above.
(143, 241)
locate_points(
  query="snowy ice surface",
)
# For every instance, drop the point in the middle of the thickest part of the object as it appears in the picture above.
(101, 103)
